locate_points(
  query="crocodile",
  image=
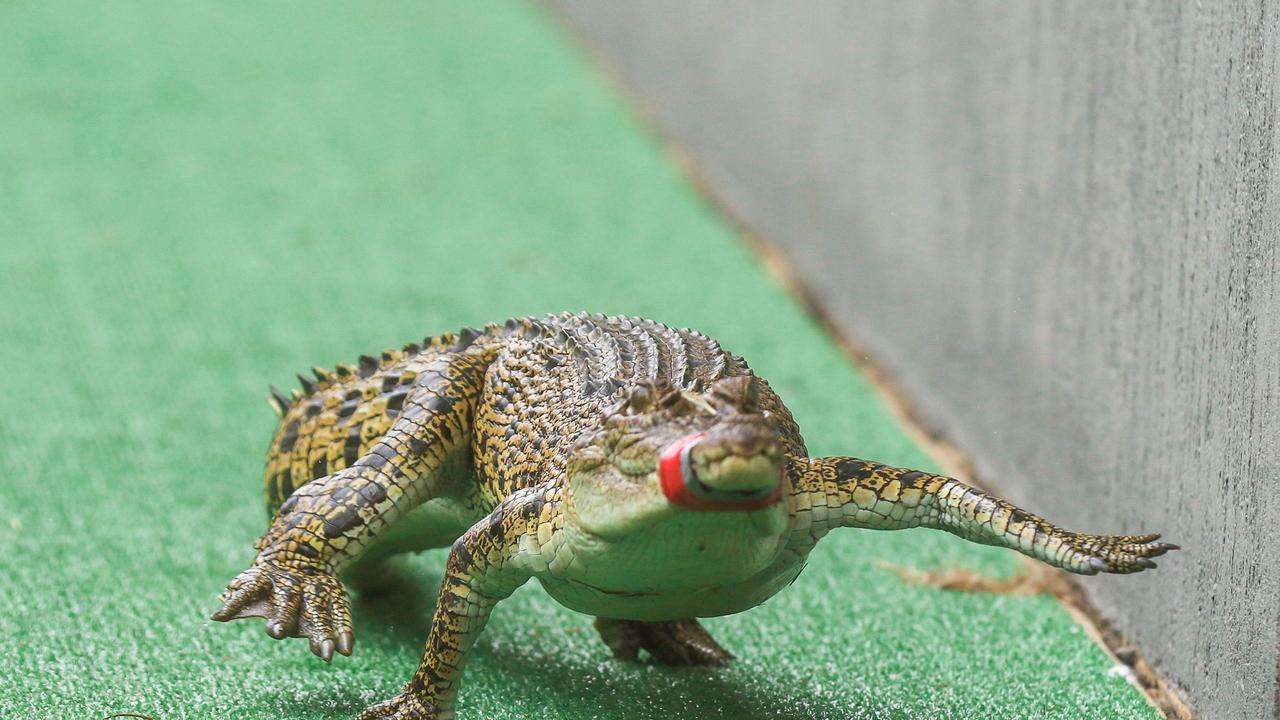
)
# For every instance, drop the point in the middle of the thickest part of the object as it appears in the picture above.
(642, 473)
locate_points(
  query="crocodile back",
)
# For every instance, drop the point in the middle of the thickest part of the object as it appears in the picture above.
(558, 375)
(550, 379)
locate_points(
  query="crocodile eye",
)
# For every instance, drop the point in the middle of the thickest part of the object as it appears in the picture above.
(741, 393)
(641, 400)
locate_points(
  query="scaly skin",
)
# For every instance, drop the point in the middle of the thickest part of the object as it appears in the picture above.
(641, 473)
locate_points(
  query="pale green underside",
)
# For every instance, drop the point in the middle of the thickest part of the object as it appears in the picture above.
(199, 198)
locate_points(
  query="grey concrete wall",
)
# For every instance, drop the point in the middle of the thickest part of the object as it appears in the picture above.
(1057, 224)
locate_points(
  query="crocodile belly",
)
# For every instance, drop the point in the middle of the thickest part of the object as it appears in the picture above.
(709, 601)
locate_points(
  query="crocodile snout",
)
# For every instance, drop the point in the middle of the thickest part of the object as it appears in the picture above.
(723, 471)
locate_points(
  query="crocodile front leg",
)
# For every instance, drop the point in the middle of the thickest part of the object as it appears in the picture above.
(492, 559)
(292, 583)
(848, 492)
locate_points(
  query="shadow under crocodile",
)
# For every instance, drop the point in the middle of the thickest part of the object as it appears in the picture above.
(552, 675)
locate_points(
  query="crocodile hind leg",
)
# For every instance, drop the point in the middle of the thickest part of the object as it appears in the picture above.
(672, 642)
(330, 521)
(847, 492)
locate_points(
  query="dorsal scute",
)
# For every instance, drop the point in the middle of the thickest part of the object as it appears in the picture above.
(308, 385)
(588, 339)
(368, 365)
(279, 401)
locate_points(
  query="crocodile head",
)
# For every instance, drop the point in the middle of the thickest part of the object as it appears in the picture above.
(663, 451)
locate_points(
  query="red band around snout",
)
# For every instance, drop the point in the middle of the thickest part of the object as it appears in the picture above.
(671, 473)
(675, 470)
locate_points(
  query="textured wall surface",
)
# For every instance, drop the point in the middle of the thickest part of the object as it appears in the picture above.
(1057, 225)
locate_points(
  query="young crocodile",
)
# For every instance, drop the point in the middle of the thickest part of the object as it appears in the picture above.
(643, 474)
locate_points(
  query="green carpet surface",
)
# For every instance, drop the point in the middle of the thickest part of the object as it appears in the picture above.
(201, 198)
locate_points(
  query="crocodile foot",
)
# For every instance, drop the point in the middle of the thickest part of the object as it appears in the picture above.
(1114, 553)
(405, 706)
(296, 602)
(673, 642)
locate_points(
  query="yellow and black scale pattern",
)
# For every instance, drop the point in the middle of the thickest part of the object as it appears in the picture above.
(487, 419)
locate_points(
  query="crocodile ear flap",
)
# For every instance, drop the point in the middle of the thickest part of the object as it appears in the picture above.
(741, 393)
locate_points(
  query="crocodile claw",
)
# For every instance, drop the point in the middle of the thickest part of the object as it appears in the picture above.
(309, 603)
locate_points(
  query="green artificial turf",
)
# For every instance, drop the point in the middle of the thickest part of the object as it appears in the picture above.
(200, 198)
